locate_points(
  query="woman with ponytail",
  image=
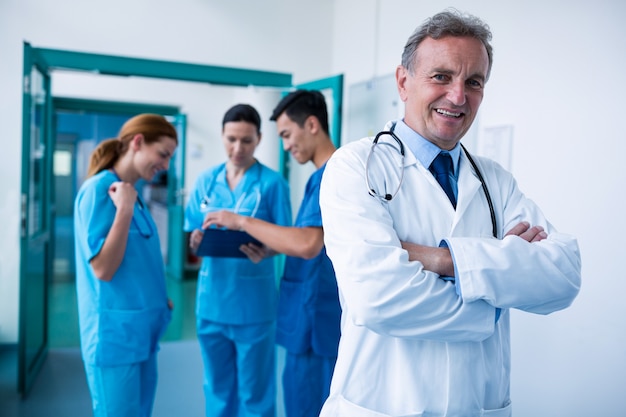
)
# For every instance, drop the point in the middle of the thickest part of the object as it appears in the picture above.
(120, 279)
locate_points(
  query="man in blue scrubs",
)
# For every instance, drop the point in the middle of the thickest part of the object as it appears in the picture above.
(308, 308)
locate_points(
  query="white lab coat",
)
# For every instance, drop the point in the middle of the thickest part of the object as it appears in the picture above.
(410, 346)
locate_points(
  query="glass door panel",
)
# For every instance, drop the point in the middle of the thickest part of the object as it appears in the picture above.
(35, 257)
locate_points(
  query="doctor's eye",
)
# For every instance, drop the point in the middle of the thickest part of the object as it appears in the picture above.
(475, 84)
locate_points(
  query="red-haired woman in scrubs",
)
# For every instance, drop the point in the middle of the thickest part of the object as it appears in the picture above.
(120, 278)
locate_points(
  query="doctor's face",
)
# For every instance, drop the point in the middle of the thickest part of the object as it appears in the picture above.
(444, 91)
(240, 141)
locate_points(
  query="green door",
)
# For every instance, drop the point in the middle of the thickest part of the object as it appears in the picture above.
(176, 252)
(35, 241)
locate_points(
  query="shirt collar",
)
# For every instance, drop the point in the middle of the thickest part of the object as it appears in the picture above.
(424, 150)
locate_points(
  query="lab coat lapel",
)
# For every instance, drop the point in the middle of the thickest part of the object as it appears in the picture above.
(468, 187)
(409, 158)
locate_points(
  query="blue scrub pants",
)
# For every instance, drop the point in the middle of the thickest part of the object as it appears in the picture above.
(306, 383)
(239, 369)
(123, 391)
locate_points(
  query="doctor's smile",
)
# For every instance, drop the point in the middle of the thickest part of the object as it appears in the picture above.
(448, 113)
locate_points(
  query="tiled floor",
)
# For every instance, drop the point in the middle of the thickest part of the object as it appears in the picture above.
(61, 389)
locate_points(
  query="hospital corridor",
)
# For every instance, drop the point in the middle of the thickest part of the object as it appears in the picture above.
(457, 198)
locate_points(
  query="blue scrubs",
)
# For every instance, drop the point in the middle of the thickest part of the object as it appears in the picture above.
(122, 320)
(236, 298)
(309, 317)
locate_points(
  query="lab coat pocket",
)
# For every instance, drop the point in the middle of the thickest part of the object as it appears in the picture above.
(349, 409)
(500, 412)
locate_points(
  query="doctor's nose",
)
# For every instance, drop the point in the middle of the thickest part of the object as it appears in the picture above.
(456, 93)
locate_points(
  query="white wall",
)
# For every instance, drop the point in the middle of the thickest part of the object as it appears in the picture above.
(557, 79)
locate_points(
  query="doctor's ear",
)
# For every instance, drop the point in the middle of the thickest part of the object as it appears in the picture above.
(401, 76)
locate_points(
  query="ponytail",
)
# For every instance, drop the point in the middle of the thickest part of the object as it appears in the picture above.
(105, 155)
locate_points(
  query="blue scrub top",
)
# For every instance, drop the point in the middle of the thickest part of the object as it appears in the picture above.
(309, 313)
(236, 290)
(121, 320)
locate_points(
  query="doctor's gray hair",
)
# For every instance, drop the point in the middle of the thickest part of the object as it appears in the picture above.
(450, 22)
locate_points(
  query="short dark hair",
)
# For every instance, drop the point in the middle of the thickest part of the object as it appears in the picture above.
(300, 104)
(243, 113)
(450, 22)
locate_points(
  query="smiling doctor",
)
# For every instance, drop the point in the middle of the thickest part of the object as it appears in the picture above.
(429, 261)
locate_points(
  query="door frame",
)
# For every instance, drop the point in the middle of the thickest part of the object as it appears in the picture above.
(35, 260)
(47, 61)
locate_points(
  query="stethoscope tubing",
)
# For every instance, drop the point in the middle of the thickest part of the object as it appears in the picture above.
(387, 197)
(492, 211)
(204, 203)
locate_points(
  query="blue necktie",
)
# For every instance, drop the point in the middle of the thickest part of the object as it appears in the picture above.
(442, 168)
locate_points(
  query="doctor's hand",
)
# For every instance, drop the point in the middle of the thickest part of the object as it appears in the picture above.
(438, 260)
(194, 240)
(256, 253)
(224, 218)
(529, 234)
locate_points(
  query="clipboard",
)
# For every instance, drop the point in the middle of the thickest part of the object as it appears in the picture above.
(224, 243)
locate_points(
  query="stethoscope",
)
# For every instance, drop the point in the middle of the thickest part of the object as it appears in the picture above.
(205, 203)
(387, 197)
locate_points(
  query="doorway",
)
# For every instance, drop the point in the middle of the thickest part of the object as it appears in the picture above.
(37, 245)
